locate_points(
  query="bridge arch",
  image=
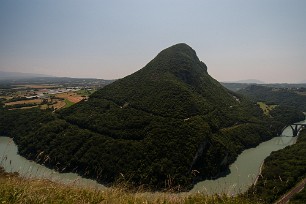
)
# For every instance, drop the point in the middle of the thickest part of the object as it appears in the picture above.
(296, 127)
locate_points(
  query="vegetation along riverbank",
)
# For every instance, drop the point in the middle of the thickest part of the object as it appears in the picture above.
(281, 171)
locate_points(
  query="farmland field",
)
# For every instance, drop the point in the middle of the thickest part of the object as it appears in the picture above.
(47, 93)
(68, 103)
(71, 96)
(266, 108)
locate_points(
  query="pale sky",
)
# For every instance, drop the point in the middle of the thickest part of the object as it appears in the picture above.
(109, 39)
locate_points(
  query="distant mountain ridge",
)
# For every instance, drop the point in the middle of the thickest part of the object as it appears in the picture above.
(19, 75)
(246, 81)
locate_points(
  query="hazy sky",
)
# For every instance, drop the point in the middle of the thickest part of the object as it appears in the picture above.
(237, 39)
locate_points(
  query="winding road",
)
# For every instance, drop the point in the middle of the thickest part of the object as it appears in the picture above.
(285, 198)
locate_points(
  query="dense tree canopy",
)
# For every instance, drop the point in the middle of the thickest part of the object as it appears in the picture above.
(280, 96)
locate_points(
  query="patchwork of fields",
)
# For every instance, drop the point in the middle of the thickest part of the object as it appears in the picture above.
(43, 96)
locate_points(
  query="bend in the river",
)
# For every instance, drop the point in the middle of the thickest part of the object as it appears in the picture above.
(244, 170)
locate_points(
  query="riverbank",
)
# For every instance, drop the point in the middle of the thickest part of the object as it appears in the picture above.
(260, 170)
(282, 171)
(262, 164)
(244, 173)
(11, 161)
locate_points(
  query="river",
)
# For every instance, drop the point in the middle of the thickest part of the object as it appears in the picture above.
(12, 162)
(243, 172)
(246, 168)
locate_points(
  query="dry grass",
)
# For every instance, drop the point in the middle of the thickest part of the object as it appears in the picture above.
(266, 108)
(71, 96)
(59, 105)
(17, 190)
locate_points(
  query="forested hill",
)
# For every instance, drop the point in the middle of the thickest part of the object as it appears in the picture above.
(294, 97)
(166, 126)
(174, 84)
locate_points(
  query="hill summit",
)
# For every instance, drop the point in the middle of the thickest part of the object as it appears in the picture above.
(166, 126)
(173, 84)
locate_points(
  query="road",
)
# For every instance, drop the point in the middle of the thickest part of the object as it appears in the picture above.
(292, 192)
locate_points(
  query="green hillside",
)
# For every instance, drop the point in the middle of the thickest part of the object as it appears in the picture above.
(166, 126)
(280, 96)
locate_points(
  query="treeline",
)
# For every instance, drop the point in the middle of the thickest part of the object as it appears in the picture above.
(19, 99)
(19, 123)
(282, 170)
(21, 105)
(279, 96)
(283, 116)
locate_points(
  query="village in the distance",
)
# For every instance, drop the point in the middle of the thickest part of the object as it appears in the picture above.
(52, 93)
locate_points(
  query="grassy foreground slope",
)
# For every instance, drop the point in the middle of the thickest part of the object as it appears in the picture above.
(166, 126)
(17, 190)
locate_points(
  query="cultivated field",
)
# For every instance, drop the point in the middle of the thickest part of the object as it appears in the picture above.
(70, 96)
